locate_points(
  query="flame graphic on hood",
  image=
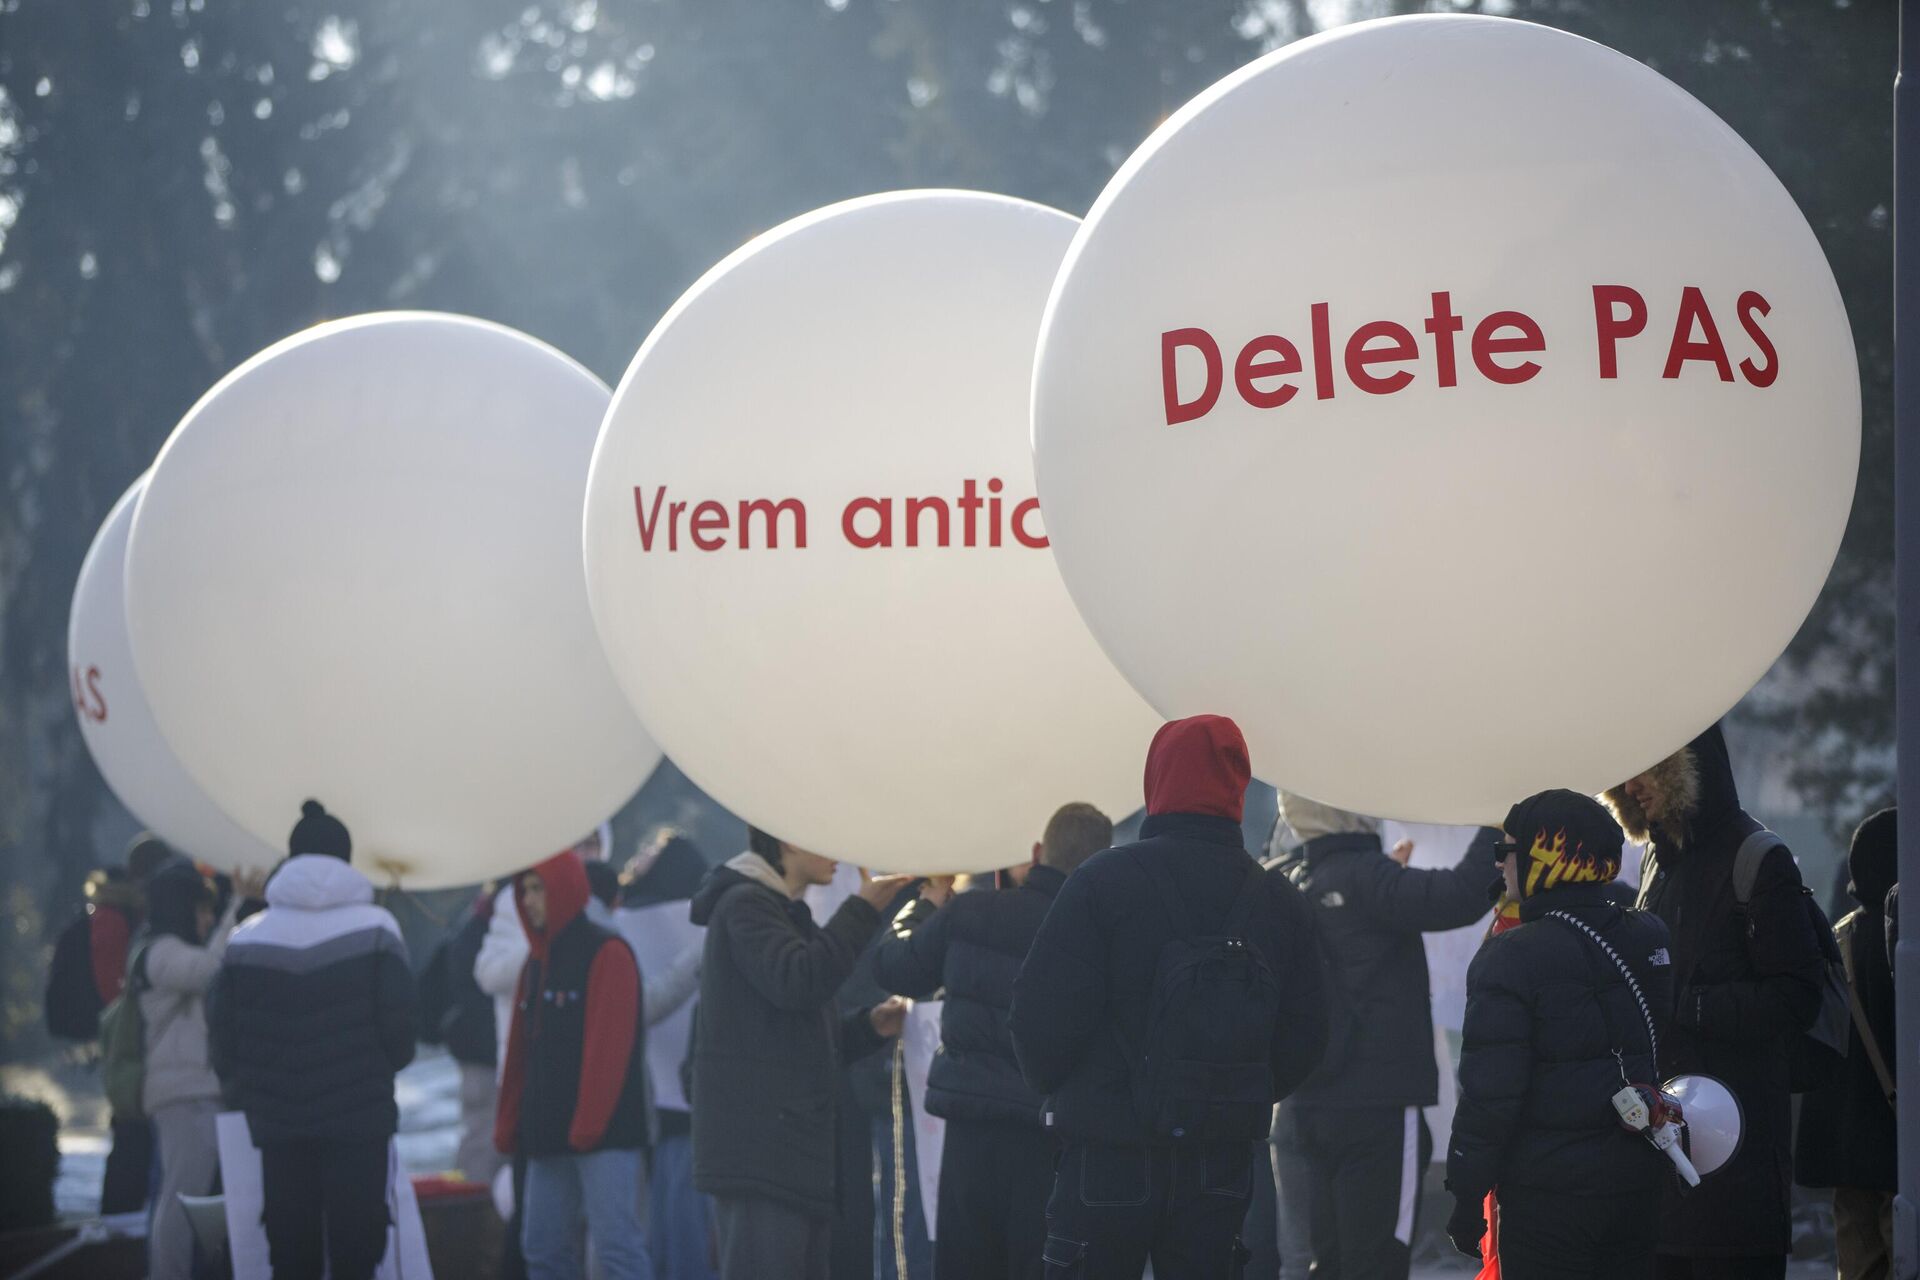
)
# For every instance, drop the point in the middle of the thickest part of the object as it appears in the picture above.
(1553, 860)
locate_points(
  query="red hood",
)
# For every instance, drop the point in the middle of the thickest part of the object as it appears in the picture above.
(1198, 765)
(565, 877)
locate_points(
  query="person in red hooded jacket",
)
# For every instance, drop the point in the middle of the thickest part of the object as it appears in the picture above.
(573, 1095)
(1173, 994)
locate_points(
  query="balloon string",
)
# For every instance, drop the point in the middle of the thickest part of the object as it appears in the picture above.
(897, 1077)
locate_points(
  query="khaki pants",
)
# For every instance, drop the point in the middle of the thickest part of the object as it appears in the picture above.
(1863, 1233)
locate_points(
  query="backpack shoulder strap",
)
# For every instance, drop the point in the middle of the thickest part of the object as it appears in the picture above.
(1843, 935)
(137, 980)
(1746, 863)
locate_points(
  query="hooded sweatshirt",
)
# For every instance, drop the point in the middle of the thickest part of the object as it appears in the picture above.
(575, 1073)
(1085, 988)
(312, 1013)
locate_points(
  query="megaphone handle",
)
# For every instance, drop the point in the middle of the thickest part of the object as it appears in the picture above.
(1684, 1165)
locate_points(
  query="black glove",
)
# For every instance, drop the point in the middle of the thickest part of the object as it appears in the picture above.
(1467, 1225)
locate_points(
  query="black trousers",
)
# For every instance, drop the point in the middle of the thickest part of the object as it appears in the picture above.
(325, 1201)
(1361, 1169)
(129, 1173)
(994, 1183)
(1772, 1266)
(1555, 1236)
(1113, 1208)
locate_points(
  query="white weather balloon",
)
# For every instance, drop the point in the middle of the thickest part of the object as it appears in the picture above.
(356, 576)
(814, 553)
(1455, 402)
(117, 724)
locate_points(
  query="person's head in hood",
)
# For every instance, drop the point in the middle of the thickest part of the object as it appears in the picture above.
(668, 868)
(1682, 796)
(180, 904)
(550, 897)
(798, 867)
(1198, 765)
(1559, 838)
(320, 832)
(1873, 860)
(1310, 820)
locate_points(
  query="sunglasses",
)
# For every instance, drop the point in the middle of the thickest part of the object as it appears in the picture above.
(1506, 847)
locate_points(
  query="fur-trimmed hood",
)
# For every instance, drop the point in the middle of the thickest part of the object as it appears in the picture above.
(1692, 792)
(106, 890)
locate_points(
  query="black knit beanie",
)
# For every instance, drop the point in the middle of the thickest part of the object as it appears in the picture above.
(1564, 838)
(320, 832)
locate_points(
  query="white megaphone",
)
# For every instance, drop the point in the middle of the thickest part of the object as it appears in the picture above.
(1711, 1123)
(1695, 1120)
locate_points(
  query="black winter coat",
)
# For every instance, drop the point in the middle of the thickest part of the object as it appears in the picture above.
(768, 1046)
(973, 947)
(1546, 1009)
(1371, 911)
(312, 1012)
(870, 1079)
(1090, 971)
(466, 1026)
(1847, 1129)
(1745, 984)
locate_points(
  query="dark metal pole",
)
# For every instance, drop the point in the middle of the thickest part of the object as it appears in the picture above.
(1906, 540)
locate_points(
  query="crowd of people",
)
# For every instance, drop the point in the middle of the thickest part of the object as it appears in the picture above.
(661, 1065)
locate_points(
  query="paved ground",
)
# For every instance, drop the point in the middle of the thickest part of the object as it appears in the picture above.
(429, 1097)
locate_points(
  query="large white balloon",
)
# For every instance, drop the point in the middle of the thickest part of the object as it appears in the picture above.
(1456, 403)
(356, 576)
(814, 552)
(117, 725)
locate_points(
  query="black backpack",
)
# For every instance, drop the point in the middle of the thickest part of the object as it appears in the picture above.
(73, 1001)
(1203, 1071)
(1818, 1054)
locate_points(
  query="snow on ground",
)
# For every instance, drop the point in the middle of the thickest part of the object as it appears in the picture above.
(428, 1092)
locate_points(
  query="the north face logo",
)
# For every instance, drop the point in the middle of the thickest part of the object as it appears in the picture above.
(1660, 958)
(1332, 899)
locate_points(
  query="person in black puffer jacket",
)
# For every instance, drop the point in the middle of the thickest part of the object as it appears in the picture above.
(1351, 1144)
(310, 1017)
(1554, 1029)
(1747, 982)
(1084, 999)
(1846, 1138)
(997, 1164)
